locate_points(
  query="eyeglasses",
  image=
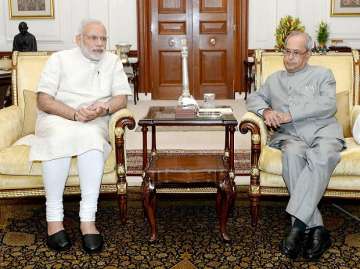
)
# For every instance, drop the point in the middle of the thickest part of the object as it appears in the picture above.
(95, 38)
(295, 53)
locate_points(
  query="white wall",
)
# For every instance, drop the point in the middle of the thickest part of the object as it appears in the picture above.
(264, 16)
(119, 17)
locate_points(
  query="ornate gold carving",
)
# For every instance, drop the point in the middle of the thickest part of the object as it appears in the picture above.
(255, 172)
(121, 170)
(121, 188)
(255, 189)
(255, 138)
(258, 55)
(14, 88)
(119, 132)
(355, 56)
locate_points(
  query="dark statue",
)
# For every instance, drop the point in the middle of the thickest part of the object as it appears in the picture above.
(24, 41)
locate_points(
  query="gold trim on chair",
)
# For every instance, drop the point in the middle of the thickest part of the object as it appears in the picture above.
(255, 189)
(254, 172)
(121, 170)
(274, 191)
(69, 190)
(119, 132)
(122, 188)
(255, 138)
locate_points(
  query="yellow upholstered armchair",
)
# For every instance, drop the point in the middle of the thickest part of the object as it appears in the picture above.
(21, 178)
(266, 167)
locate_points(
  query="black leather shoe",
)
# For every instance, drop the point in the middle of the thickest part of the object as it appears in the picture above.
(58, 241)
(92, 242)
(317, 243)
(292, 245)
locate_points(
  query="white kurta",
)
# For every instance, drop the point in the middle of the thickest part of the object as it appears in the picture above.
(76, 81)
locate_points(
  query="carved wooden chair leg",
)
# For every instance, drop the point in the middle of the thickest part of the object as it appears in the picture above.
(123, 207)
(254, 209)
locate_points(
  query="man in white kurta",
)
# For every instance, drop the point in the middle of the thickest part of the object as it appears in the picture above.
(77, 91)
(78, 82)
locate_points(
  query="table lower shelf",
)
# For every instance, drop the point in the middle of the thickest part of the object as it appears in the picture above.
(187, 168)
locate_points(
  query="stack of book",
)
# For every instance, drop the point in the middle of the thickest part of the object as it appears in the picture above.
(223, 110)
(186, 112)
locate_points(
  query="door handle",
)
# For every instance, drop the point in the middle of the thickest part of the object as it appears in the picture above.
(212, 41)
(172, 42)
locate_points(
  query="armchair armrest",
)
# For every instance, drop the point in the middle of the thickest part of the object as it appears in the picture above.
(118, 121)
(255, 124)
(355, 112)
(10, 125)
(259, 134)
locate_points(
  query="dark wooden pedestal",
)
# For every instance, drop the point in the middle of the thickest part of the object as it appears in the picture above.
(133, 77)
(164, 170)
(5, 83)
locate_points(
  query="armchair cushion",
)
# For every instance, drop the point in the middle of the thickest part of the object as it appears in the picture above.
(270, 160)
(10, 125)
(30, 113)
(15, 161)
(343, 183)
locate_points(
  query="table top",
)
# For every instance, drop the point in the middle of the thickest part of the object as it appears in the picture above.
(165, 115)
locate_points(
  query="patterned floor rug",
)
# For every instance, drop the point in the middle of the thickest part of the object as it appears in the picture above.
(241, 160)
(188, 237)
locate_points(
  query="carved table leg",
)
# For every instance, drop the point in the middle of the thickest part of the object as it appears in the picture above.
(149, 202)
(227, 192)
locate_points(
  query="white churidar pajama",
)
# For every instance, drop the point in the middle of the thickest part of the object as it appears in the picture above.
(90, 167)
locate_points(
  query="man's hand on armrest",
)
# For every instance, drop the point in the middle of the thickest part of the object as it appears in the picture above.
(274, 118)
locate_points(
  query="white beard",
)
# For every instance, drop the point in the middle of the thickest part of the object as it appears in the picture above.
(94, 56)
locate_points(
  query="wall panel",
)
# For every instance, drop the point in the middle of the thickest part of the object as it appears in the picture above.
(120, 18)
(265, 15)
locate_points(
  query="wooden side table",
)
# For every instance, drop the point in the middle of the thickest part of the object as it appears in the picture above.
(133, 76)
(164, 170)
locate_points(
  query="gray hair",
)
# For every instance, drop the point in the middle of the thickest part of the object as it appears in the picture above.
(86, 22)
(308, 39)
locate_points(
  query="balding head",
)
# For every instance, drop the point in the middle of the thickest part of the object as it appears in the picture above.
(308, 43)
(297, 51)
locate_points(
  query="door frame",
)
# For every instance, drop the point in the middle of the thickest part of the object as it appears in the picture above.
(145, 51)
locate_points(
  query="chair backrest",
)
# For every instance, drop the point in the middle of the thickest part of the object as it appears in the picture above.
(27, 68)
(342, 64)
